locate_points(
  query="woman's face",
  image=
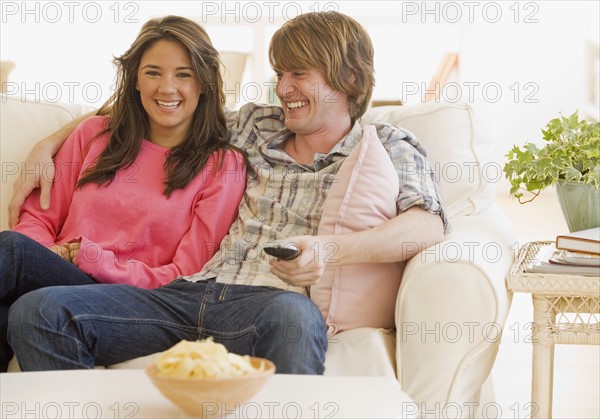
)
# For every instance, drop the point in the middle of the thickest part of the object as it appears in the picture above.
(169, 91)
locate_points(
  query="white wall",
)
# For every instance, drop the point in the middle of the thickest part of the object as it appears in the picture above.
(522, 62)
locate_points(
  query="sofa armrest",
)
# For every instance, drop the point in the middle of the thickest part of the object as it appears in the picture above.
(451, 308)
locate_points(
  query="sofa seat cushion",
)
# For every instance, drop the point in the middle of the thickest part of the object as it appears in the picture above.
(364, 351)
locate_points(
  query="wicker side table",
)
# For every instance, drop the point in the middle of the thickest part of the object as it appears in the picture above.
(566, 309)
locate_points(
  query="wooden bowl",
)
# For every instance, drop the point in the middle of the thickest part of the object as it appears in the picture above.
(206, 397)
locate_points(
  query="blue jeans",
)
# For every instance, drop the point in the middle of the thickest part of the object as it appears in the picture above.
(26, 265)
(79, 327)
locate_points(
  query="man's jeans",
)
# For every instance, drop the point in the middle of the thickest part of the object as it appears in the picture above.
(83, 326)
(26, 265)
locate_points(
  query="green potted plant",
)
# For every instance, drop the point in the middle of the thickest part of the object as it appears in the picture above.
(570, 159)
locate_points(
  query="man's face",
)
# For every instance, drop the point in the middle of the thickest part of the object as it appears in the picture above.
(311, 106)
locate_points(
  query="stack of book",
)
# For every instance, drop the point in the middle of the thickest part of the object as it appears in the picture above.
(576, 253)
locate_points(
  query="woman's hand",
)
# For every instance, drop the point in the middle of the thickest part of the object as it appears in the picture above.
(62, 251)
(67, 251)
(73, 251)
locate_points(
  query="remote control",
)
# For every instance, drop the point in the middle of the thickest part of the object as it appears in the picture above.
(288, 252)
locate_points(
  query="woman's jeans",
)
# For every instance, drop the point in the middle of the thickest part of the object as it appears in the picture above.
(79, 327)
(26, 265)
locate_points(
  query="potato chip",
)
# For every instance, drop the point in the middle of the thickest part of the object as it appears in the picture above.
(203, 359)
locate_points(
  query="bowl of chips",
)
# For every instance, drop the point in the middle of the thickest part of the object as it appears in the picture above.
(203, 379)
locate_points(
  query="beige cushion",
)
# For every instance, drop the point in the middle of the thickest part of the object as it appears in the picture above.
(458, 147)
(24, 124)
(5, 68)
(362, 197)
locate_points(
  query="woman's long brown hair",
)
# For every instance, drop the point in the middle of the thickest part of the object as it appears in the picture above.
(128, 124)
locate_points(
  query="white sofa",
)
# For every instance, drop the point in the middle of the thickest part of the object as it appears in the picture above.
(452, 302)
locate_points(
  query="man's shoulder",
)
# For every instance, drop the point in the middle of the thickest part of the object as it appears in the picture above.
(250, 112)
(257, 120)
(395, 137)
(260, 111)
(388, 132)
(392, 134)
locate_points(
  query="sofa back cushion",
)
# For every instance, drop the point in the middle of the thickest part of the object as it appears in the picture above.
(23, 124)
(362, 197)
(457, 146)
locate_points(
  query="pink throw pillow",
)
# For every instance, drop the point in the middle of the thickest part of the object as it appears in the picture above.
(363, 196)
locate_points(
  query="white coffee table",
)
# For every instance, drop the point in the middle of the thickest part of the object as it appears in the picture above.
(130, 394)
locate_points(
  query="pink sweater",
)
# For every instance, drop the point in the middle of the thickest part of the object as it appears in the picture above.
(130, 232)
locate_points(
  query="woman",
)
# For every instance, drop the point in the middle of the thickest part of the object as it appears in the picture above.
(145, 191)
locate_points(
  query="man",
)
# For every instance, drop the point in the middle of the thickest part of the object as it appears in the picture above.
(250, 302)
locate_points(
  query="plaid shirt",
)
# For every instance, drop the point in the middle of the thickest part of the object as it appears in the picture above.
(285, 198)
